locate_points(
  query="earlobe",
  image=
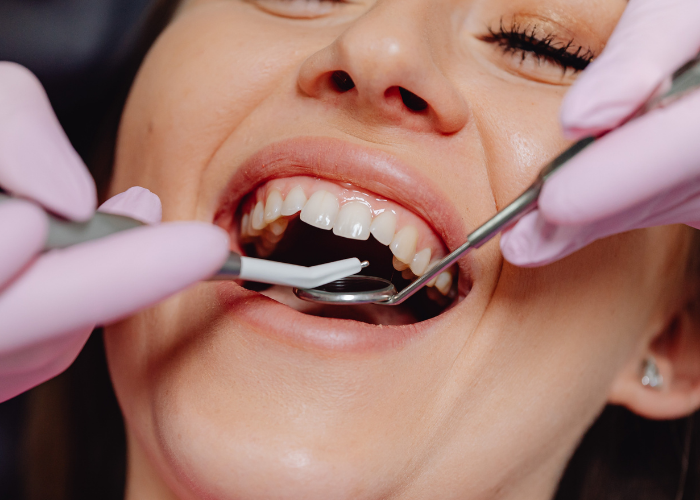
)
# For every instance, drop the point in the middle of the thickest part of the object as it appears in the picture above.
(675, 356)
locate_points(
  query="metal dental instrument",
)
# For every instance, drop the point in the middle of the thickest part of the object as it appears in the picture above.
(371, 290)
(64, 234)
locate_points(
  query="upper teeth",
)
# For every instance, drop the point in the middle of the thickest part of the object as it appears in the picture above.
(403, 246)
(273, 207)
(268, 221)
(294, 202)
(354, 221)
(321, 210)
(383, 227)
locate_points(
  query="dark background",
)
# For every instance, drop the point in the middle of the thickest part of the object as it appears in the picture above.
(78, 49)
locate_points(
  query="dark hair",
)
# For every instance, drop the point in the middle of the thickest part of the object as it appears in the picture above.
(73, 441)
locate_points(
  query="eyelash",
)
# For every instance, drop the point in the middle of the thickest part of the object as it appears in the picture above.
(522, 40)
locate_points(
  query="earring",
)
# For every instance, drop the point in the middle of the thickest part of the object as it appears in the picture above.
(650, 374)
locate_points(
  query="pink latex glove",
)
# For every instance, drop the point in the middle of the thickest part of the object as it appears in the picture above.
(50, 303)
(644, 174)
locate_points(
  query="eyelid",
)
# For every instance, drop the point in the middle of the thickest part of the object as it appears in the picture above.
(535, 47)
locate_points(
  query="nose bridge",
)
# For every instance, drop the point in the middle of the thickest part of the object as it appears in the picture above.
(385, 48)
(391, 74)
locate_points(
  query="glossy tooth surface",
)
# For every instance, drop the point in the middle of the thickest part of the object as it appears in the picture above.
(403, 246)
(353, 221)
(444, 282)
(383, 227)
(245, 221)
(434, 279)
(398, 265)
(251, 231)
(321, 210)
(420, 262)
(257, 220)
(294, 202)
(273, 206)
(279, 226)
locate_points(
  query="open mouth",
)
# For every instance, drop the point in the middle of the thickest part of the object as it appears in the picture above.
(309, 220)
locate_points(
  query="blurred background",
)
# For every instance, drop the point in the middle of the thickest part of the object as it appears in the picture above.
(85, 53)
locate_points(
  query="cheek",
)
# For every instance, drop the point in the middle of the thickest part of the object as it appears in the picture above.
(203, 78)
(551, 343)
(520, 133)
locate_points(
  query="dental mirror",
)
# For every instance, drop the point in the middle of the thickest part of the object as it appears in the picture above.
(371, 290)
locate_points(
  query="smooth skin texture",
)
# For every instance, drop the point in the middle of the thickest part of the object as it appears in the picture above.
(50, 303)
(492, 400)
(644, 175)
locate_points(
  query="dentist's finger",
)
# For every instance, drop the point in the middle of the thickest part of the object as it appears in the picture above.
(651, 41)
(23, 227)
(37, 160)
(106, 280)
(535, 242)
(630, 165)
(24, 368)
(136, 202)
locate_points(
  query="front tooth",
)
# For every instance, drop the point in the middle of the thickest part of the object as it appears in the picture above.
(251, 231)
(273, 207)
(444, 283)
(295, 201)
(383, 227)
(258, 218)
(279, 226)
(321, 210)
(420, 262)
(354, 220)
(403, 246)
(407, 274)
(398, 265)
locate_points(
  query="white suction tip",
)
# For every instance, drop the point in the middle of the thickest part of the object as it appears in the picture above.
(277, 273)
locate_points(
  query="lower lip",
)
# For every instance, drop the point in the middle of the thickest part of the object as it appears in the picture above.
(282, 323)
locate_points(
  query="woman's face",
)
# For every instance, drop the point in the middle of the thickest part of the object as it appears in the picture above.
(432, 114)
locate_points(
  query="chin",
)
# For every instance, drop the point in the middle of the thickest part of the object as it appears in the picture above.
(249, 392)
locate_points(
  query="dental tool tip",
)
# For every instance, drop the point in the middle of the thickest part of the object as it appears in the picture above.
(365, 264)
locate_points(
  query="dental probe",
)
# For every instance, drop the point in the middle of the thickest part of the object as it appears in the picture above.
(371, 290)
(63, 234)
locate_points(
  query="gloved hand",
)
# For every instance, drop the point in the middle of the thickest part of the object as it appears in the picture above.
(50, 303)
(644, 174)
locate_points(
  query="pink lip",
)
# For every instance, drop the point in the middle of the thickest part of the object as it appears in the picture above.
(363, 167)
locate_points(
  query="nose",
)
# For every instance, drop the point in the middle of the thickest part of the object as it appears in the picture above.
(382, 69)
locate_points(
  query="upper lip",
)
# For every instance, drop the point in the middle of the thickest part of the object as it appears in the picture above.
(341, 161)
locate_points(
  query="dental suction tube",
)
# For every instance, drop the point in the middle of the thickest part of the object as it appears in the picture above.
(64, 234)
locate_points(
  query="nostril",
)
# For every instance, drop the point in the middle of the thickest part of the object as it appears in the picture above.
(342, 81)
(412, 101)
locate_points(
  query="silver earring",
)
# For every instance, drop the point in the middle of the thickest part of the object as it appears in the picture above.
(650, 374)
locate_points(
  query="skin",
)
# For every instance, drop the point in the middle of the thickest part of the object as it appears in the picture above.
(492, 401)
